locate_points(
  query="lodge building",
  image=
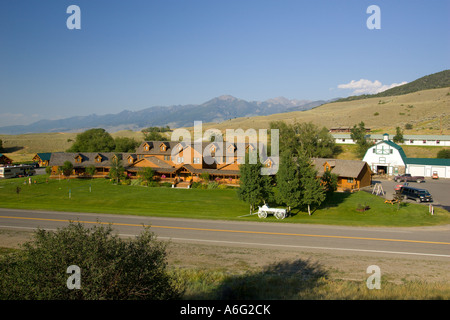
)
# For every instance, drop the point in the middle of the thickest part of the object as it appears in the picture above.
(172, 161)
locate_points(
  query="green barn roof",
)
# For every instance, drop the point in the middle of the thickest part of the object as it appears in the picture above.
(45, 156)
(428, 161)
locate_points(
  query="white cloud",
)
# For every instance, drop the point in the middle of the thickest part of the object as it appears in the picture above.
(364, 86)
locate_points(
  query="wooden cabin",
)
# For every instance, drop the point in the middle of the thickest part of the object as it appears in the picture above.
(352, 174)
(4, 160)
(42, 159)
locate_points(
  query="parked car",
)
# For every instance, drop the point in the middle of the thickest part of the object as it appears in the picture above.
(419, 195)
(435, 175)
(409, 178)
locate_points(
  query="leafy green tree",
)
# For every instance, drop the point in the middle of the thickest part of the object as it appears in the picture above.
(66, 168)
(254, 188)
(117, 170)
(358, 134)
(147, 174)
(1, 145)
(398, 138)
(111, 268)
(124, 144)
(305, 138)
(444, 154)
(93, 140)
(48, 170)
(154, 136)
(91, 170)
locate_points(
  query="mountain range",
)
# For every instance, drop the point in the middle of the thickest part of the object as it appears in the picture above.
(215, 110)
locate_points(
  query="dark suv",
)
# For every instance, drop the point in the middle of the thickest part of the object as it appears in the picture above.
(420, 195)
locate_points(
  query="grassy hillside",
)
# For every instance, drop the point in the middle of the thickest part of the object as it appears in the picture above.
(427, 111)
(432, 81)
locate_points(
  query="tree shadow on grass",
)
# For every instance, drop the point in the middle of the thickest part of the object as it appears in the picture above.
(282, 280)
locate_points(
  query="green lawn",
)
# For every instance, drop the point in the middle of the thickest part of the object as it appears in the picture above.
(102, 196)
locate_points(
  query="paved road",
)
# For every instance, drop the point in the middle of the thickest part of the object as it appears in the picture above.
(419, 242)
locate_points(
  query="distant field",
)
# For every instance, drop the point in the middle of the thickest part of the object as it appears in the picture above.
(23, 147)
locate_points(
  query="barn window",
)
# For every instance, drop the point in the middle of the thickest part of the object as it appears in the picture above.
(349, 180)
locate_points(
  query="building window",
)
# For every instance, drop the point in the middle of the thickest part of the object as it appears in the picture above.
(166, 157)
(349, 180)
(180, 160)
(196, 160)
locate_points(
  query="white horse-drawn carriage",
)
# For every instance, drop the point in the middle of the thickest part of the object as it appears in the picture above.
(277, 212)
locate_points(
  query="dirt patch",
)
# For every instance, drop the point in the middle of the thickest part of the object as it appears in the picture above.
(234, 259)
(345, 266)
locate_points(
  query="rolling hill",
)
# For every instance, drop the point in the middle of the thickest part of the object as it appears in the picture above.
(428, 111)
(432, 81)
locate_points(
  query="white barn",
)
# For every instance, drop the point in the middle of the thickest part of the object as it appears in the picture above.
(387, 157)
(409, 139)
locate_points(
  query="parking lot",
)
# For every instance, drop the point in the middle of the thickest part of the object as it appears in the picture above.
(439, 189)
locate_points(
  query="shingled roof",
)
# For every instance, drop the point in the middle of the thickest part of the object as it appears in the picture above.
(88, 159)
(343, 168)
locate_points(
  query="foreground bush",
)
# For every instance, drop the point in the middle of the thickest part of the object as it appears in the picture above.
(110, 267)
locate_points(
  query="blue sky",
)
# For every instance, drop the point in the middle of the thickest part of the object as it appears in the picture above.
(137, 54)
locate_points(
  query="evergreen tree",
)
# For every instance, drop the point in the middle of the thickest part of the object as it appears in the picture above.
(254, 188)
(288, 181)
(313, 193)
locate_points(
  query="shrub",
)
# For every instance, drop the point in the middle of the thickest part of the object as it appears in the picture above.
(444, 154)
(196, 185)
(111, 268)
(166, 184)
(213, 185)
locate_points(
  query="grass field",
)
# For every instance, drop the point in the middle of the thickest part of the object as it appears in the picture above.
(102, 196)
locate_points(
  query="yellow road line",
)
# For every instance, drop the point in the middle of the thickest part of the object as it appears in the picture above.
(231, 231)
